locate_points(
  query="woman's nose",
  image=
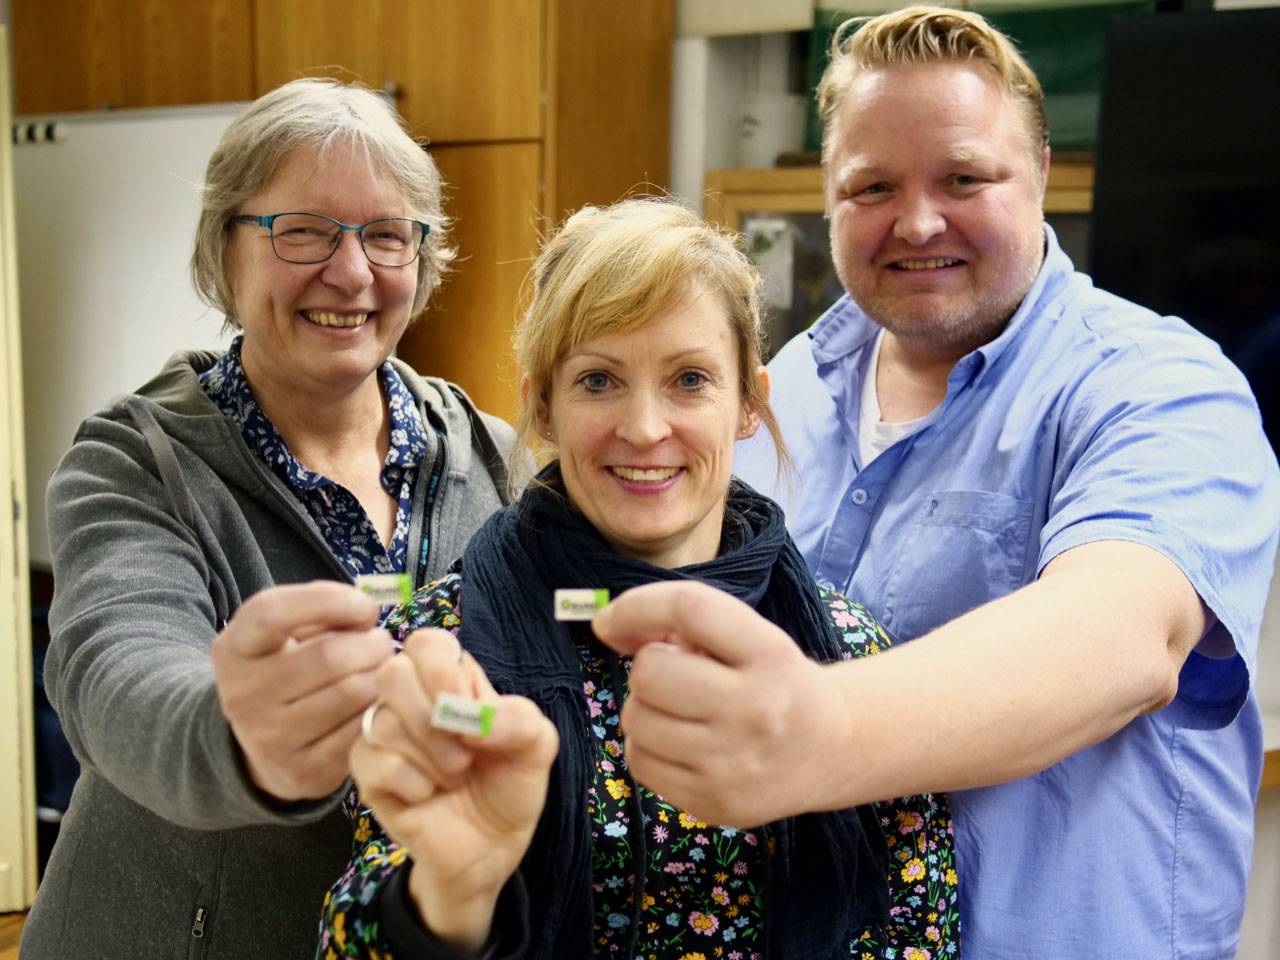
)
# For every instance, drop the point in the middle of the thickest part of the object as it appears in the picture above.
(348, 269)
(644, 421)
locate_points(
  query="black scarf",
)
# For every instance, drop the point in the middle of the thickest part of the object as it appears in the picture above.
(828, 874)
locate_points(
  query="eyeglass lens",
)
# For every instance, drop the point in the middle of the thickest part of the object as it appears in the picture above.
(308, 238)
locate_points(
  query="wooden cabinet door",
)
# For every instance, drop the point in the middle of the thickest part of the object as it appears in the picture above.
(178, 53)
(609, 96)
(90, 54)
(462, 71)
(324, 38)
(465, 335)
(467, 70)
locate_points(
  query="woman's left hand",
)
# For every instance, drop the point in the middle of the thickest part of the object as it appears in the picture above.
(464, 807)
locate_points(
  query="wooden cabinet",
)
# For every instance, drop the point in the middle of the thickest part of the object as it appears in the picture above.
(460, 72)
(465, 335)
(91, 54)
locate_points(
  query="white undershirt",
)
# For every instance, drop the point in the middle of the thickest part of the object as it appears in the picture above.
(874, 435)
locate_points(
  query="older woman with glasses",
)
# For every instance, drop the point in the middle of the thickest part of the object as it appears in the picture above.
(210, 658)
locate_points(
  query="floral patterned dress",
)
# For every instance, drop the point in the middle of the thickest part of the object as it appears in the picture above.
(704, 886)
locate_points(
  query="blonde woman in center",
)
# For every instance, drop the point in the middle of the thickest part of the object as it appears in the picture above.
(641, 368)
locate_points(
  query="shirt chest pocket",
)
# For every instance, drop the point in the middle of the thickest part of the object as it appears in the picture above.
(961, 549)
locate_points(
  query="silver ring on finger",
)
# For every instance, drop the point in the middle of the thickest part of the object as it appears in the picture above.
(366, 723)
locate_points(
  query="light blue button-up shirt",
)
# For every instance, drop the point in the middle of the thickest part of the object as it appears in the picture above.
(1089, 418)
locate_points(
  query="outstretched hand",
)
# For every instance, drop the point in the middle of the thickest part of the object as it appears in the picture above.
(294, 670)
(725, 717)
(464, 807)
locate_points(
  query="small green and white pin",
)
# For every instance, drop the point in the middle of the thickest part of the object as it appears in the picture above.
(460, 715)
(387, 589)
(580, 604)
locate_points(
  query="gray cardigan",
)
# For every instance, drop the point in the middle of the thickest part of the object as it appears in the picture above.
(163, 522)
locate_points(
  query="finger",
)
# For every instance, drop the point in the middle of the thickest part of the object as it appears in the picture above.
(702, 617)
(520, 732)
(685, 685)
(678, 741)
(387, 772)
(261, 625)
(404, 723)
(308, 667)
(439, 661)
(319, 715)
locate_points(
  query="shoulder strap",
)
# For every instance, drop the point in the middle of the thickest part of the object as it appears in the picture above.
(175, 485)
(494, 460)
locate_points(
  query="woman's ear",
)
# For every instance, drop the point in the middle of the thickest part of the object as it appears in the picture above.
(541, 421)
(750, 421)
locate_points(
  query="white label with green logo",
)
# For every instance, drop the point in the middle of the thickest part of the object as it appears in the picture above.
(460, 715)
(580, 604)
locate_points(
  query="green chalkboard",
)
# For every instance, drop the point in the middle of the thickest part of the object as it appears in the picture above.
(1064, 46)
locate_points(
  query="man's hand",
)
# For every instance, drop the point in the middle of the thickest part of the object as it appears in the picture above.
(725, 717)
(295, 669)
(464, 807)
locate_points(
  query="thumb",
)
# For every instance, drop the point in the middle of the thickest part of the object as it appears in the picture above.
(692, 615)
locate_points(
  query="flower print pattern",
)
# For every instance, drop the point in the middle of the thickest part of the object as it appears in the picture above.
(338, 514)
(924, 915)
(703, 891)
(702, 883)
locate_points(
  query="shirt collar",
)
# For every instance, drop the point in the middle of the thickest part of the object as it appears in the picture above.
(226, 385)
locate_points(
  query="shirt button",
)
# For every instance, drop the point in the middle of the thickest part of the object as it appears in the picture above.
(859, 496)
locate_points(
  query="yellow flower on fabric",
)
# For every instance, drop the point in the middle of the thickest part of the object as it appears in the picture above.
(662, 815)
(693, 956)
(721, 877)
(914, 870)
(363, 831)
(933, 916)
(952, 879)
(916, 953)
(340, 930)
(689, 823)
(649, 901)
(330, 955)
(618, 789)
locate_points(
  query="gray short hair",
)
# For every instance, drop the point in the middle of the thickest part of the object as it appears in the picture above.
(320, 114)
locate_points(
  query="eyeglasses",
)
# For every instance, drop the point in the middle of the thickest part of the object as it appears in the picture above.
(312, 237)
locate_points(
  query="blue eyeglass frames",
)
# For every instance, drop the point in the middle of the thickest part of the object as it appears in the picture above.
(313, 237)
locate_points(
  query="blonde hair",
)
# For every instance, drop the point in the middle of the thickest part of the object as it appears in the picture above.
(612, 269)
(318, 114)
(922, 35)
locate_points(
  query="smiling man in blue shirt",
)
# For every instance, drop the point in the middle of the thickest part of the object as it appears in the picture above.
(1066, 498)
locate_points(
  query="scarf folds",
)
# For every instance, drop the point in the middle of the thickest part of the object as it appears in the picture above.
(828, 872)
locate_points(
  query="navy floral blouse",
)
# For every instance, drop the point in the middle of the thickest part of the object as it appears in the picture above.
(704, 884)
(341, 519)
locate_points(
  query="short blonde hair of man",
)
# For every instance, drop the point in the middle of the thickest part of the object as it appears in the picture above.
(611, 270)
(922, 35)
(315, 114)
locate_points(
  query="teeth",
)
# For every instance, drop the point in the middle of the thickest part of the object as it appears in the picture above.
(926, 264)
(646, 476)
(336, 319)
